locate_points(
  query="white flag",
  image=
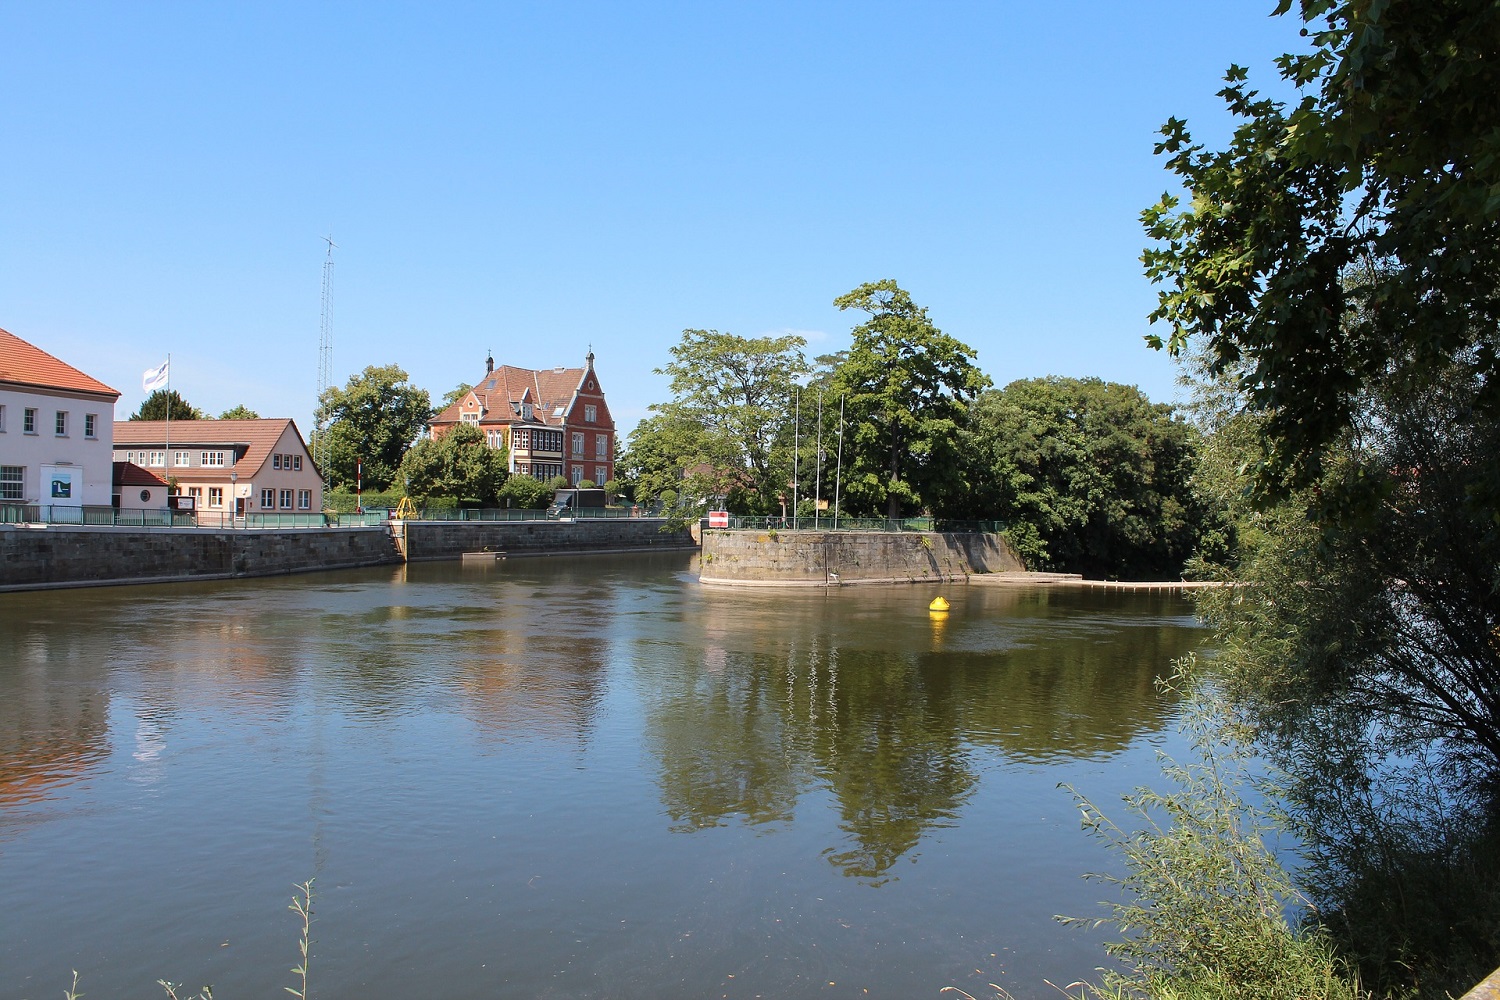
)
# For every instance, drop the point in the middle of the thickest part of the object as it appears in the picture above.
(155, 378)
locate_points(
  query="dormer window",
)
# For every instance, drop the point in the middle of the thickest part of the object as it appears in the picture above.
(525, 411)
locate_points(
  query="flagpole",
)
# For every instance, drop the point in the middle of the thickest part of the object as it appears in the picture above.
(167, 454)
(838, 477)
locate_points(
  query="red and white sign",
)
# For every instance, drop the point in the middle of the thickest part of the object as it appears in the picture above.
(718, 519)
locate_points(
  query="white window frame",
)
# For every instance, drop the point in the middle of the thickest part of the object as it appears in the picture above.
(216, 496)
(276, 461)
(267, 498)
(60, 424)
(12, 483)
(28, 420)
(601, 446)
(590, 413)
(158, 460)
(297, 463)
(601, 475)
(577, 474)
(578, 444)
(2, 418)
(304, 499)
(182, 459)
(90, 425)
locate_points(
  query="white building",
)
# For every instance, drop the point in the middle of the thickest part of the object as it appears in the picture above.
(56, 430)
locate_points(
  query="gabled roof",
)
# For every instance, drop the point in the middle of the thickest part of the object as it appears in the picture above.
(551, 392)
(25, 364)
(130, 474)
(253, 440)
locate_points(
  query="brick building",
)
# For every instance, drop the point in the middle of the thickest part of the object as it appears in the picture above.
(553, 421)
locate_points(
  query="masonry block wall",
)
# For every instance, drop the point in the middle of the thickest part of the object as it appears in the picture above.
(818, 558)
(424, 540)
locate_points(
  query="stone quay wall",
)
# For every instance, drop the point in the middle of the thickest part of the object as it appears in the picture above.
(822, 558)
(421, 541)
(36, 557)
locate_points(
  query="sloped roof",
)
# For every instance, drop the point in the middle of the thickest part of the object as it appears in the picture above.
(257, 438)
(26, 364)
(502, 390)
(130, 474)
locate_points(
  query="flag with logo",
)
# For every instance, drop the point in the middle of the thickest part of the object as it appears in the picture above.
(155, 378)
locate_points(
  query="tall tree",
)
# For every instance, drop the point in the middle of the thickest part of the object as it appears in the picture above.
(460, 465)
(907, 386)
(736, 391)
(1338, 266)
(240, 412)
(1090, 476)
(157, 406)
(373, 417)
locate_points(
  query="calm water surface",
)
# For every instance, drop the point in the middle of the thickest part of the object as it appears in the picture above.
(564, 778)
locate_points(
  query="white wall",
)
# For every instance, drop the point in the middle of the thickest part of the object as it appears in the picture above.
(91, 456)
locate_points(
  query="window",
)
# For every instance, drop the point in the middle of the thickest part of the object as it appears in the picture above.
(601, 446)
(601, 475)
(590, 413)
(304, 499)
(577, 474)
(286, 499)
(61, 424)
(216, 496)
(159, 459)
(297, 463)
(523, 439)
(472, 417)
(211, 458)
(28, 420)
(578, 443)
(12, 482)
(2, 418)
(268, 499)
(196, 492)
(91, 425)
(182, 459)
(275, 461)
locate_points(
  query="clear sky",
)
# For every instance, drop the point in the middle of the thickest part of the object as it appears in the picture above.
(532, 179)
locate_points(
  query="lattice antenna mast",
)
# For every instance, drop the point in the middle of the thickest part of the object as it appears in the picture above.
(325, 362)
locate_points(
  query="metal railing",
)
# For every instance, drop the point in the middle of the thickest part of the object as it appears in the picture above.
(19, 513)
(773, 523)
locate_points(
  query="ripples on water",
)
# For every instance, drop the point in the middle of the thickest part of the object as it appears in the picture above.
(572, 777)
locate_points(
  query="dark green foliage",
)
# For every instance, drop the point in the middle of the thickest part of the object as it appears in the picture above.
(1089, 477)
(906, 387)
(239, 412)
(374, 417)
(157, 405)
(459, 465)
(526, 493)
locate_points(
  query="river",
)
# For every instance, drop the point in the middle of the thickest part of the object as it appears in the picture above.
(567, 777)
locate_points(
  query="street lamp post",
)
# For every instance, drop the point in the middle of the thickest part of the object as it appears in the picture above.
(234, 477)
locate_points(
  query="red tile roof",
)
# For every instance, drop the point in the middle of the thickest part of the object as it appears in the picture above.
(130, 474)
(253, 440)
(25, 364)
(551, 393)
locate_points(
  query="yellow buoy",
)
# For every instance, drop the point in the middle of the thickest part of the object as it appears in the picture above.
(938, 604)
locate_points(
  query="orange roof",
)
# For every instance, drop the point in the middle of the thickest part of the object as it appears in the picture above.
(549, 390)
(130, 474)
(252, 440)
(24, 364)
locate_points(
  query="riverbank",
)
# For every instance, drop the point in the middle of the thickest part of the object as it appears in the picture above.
(52, 556)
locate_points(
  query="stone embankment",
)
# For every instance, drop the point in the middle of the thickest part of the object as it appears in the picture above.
(36, 557)
(419, 541)
(824, 558)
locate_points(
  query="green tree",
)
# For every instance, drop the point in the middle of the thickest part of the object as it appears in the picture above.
(674, 452)
(240, 412)
(454, 395)
(1388, 166)
(460, 465)
(375, 416)
(526, 493)
(157, 405)
(1089, 476)
(738, 391)
(907, 386)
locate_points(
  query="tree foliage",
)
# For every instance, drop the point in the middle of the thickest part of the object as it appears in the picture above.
(1089, 476)
(459, 465)
(163, 401)
(1388, 165)
(375, 416)
(731, 402)
(239, 412)
(906, 386)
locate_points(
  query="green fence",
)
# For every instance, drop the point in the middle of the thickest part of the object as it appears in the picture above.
(863, 524)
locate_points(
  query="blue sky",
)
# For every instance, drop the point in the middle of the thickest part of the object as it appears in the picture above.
(533, 179)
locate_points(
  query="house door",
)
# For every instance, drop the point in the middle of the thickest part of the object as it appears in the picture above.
(239, 506)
